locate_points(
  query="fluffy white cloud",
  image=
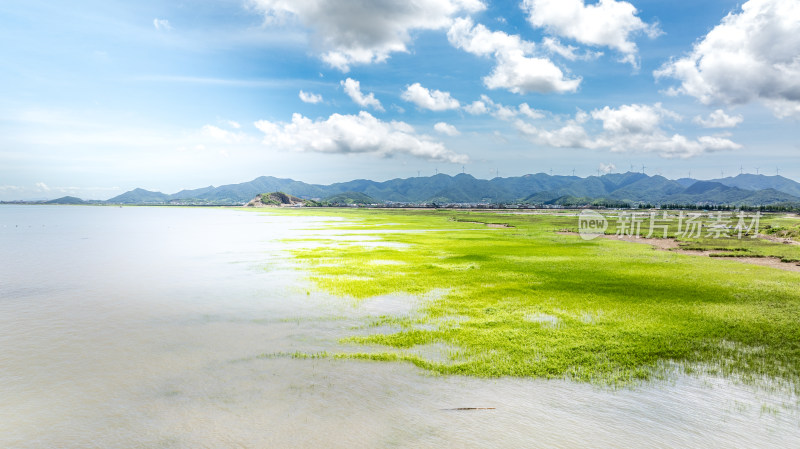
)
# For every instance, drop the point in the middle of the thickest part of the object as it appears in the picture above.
(162, 24)
(435, 100)
(360, 133)
(477, 108)
(42, 187)
(631, 118)
(446, 128)
(365, 32)
(568, 51)
(516, 69)
(529, 112)
(487, 106)
(719, 119)
(751, 55)
(353, 89)
(627, 128)
(308, 97)
(571, 135)
(607, 23)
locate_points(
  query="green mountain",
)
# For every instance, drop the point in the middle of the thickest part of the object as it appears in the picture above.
(540, 188)
(347, 198)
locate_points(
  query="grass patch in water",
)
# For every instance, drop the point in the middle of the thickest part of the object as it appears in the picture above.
(532, 303)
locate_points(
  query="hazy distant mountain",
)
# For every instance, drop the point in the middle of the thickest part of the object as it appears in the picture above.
(66, 200)
(718, 193)
(192, 193)
(749, 181)
(140, 196)
(537, 188)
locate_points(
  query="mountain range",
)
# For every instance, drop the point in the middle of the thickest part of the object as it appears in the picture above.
(540, 188)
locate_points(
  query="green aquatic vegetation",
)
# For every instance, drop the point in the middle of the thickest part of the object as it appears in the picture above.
(730, 245)
(526, 301)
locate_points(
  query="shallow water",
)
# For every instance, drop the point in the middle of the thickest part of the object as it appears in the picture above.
(144, 327)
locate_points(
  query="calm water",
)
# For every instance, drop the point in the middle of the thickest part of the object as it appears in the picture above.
(142, 327)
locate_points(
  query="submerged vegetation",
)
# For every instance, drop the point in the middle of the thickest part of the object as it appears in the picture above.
(520, 299)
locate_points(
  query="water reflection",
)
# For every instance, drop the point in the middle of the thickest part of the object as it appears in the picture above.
(142, 327)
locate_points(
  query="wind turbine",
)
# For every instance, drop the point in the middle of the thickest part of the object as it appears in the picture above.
(631, 167)
(573, 172)
(777, 171)
(437, 170)
(643, 167)
(462, 169)
(598, 172)
(551, 172)
(757, 169)
(722, 173)
(741, 170)
(690, 174)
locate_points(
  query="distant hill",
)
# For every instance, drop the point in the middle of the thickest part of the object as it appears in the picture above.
(347, 198)
(66, 200)
(750, 181)
(540, 188)
(140, 196)
(279, 199)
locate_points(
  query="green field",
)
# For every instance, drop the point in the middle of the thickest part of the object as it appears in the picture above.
(526, 301)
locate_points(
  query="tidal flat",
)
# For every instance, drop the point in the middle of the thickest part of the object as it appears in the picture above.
(520, 299)
(145, 327)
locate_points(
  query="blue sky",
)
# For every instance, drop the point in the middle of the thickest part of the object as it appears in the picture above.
(100, 97)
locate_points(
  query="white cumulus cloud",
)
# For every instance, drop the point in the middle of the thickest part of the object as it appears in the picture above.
(347, 134)
(631, 118)
(752, 55)
(719, 119)
(569, 52)
(446, 128)
(348, 33)
(487, 106)
(162, 24)
(353, 89)
(607, 23)
(629, 128)
(517, 68)
(529, 112)
(477, 107)
(435, 100)
(571, 135)
(308, 97)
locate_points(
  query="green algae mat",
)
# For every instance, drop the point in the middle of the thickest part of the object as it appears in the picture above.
(509, 295)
